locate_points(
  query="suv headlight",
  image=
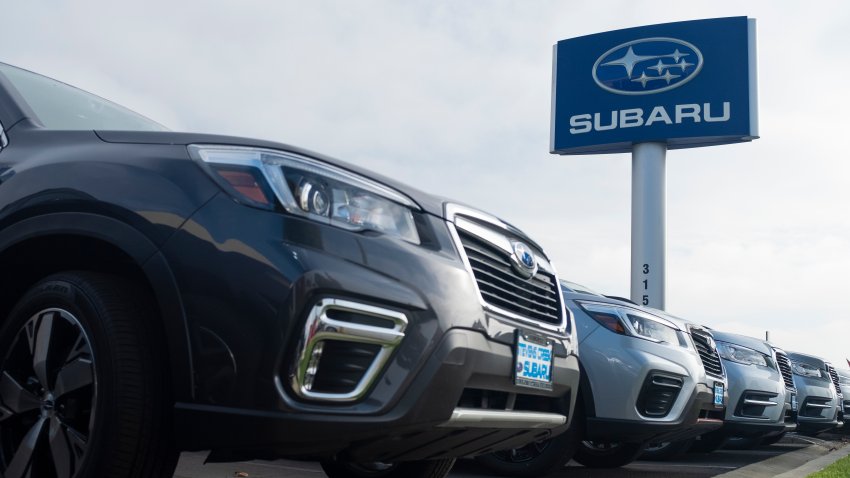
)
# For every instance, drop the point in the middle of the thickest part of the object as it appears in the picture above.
(309, 188)
(744, 355)
(805, 370)
(628, 321)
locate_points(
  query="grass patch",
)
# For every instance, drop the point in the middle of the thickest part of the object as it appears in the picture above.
(839, 469)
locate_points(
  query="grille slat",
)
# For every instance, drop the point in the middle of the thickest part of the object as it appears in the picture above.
(785, 369)
(492, 278)
(537, 299)
(500, 267)
(708, 355)
(834, 376)
(500, 287)
(498, 275)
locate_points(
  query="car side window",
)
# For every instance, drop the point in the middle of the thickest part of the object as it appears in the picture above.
(62, 107)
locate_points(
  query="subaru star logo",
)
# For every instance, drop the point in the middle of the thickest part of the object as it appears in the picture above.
(523, 260)
(646, 66)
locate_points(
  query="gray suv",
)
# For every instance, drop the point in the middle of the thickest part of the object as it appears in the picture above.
(646, 377)
(762, 397)
(819, 394)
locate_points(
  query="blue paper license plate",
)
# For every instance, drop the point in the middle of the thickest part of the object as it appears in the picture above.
(533, 367)
(718, 394)
(793, 402)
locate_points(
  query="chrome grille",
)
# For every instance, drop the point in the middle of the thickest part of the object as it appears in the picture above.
(707, 353)
(785, 369)
(834, 376)
(536, 298)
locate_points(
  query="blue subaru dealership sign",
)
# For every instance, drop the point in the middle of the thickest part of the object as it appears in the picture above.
(686, 84)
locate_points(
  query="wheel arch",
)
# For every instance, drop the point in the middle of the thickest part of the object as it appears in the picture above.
(586, 392)
(36, 247)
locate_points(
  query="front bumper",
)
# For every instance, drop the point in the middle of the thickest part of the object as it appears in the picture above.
(818, 408)
(618, 391)
(700, 417)
(430, 420)
(757, 401)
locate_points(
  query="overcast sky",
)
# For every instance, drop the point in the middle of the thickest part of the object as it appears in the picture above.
(454, 97)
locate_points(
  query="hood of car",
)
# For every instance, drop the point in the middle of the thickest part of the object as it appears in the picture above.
(428, 202)
(744, 341)
(571, 295)
(812, 360)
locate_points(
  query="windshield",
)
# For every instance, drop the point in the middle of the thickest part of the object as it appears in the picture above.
(62, 107)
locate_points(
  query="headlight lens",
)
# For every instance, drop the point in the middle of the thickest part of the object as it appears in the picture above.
(627, 321)
(805, 370)
(744, 355)
(310, 188)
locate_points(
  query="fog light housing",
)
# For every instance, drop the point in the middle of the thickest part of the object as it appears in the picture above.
(344, 347)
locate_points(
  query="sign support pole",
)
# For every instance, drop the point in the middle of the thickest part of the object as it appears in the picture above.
(649, 231)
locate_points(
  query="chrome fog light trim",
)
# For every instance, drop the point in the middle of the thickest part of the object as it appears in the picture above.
(320, 328)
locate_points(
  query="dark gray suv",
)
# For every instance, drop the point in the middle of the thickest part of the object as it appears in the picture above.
(167, 291)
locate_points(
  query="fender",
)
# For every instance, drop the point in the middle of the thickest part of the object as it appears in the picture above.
(146, 255)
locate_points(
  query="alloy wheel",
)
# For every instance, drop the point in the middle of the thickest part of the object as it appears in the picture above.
(48, 395)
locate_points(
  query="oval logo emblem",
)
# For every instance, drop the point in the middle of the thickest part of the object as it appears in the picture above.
(646, 66)
(523, 260)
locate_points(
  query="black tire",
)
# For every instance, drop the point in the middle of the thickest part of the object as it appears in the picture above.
(666, 450)
(539, 458)
(82, 349)
(709, 442)
(772, 440)
(409, 469)
(743, 443)
(607, 455)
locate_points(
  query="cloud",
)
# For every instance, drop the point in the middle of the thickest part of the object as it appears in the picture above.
(453, 97)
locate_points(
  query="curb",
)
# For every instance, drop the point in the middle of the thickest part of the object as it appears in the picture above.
(785, 465)
(816, 464)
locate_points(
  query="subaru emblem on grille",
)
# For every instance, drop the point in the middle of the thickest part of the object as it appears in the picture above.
(523, 260)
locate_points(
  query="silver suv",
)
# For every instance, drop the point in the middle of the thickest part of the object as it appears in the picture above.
(818, 392)
(762, 397)
(646, 377)
(844, 383)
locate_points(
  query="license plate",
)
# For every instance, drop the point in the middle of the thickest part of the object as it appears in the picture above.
(718, 394)
(793, 402)
(533, 366)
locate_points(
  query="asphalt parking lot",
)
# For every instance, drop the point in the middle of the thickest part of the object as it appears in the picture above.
(763, 462)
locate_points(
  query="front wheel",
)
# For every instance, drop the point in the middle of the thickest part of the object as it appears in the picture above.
(335, 468)
(82, 383)
(538, 458)
(771, 440)
(607, 454)
(709, 442)
(666, 450)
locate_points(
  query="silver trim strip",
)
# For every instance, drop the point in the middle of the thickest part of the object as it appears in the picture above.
(319, 327)
(554, 99)
(818, 405)
(668, 385)
(763, 403)
(477, 418)
(4, 141)
(752, 67)
(452, 213)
